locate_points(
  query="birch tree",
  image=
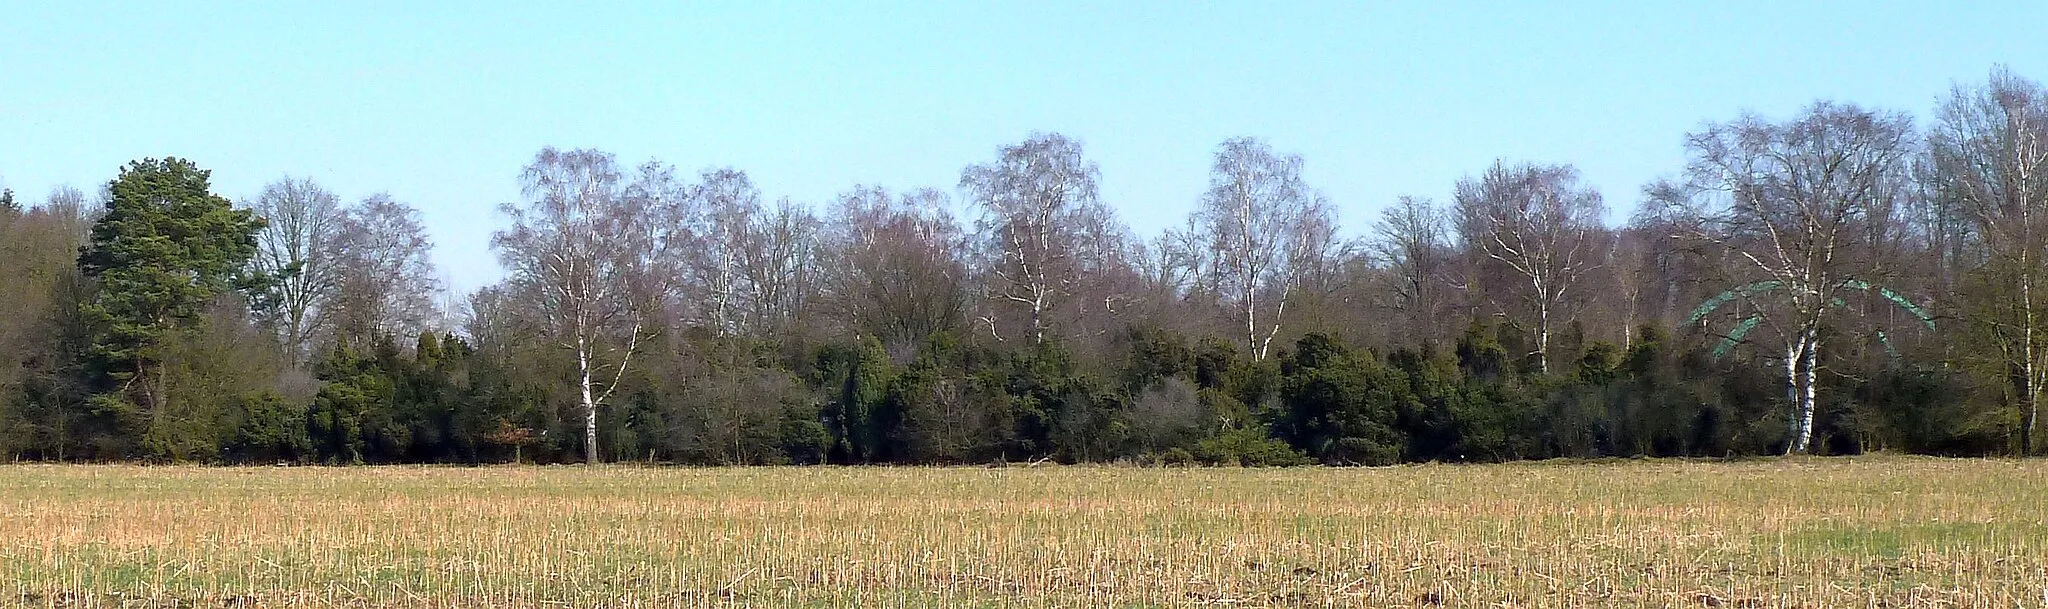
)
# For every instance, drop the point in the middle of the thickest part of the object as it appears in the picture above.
(584, 255)
(297, 248)
(1265, 227)
(1790, 207)
(1989, 154)
(747, 264)
(1030, 200)
(724, 206)
(1631, 257)
(1539, 227)
(385, 282)
(1106, 284)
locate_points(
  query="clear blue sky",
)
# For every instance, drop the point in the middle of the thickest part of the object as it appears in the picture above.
(440, 104)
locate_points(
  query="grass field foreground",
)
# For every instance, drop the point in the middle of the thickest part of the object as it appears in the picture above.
(1866, 532)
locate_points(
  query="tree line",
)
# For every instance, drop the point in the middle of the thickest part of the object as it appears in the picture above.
(1835, 281)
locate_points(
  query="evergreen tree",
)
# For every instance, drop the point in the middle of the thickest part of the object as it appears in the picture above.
(1341, 405)
(166, 247)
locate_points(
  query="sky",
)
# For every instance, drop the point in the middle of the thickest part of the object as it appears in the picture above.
(440, 104)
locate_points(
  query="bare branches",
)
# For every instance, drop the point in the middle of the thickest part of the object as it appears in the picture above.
(1264, 228)
(584, 251)
(297, 249)
(385, 282)
(1032, 199)
(1539, 226)
(1800, 205)
(895, 265)
(1987, 167)
(1411, 242)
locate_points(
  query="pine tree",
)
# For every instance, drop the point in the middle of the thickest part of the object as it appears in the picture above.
(165, 248)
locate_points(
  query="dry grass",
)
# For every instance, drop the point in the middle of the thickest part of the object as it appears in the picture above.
(1880, 532)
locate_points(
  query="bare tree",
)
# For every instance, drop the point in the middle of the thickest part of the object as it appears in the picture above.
(1538, 226)
(385, 282)
(1631, 256)
(489, 318)
(1265, 227)
(38, 250)
(1176, 264)
(1989, 154)
(297, 248)
(894, 266)
(669, 246)
(1106, 269)
(776, 254)
(1030, 199)
(1412, 242)
(723, 208)
(1793, 207)
(1175, 283)
(585, 256)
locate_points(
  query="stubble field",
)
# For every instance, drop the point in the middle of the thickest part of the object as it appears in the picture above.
(1868, 532)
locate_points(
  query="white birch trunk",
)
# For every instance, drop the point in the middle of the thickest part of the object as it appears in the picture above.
(583, 377)
(1543, 335)
(1809, 404)
(1792, 355)
(2030, 356)
(1801, 360)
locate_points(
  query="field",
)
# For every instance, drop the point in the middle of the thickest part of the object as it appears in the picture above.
(1877, 532)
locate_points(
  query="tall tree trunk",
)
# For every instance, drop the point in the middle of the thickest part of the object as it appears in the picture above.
(2033, 420)
(1279, 313)
(2027, 147)
(150, 398)
(2030, 354)
(1038, 317)
(1801, 360)
(2020, 375)
(1251, 323)
(589, 402)
(1792, 353)
(1809, 405)
(1543, 336)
